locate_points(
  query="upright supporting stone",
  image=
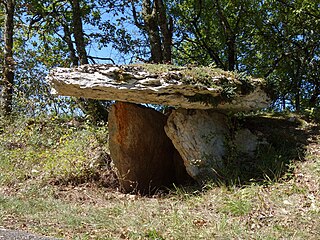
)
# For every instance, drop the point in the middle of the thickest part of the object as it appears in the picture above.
(139, 147)
(199, 136)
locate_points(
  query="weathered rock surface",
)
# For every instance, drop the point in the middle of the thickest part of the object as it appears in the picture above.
(191, 88)
(200, 137)
(245, 142)
(139, 147)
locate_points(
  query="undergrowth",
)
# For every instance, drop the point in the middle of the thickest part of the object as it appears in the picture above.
(54, 150)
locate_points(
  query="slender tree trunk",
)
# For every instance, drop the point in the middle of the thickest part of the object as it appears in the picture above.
(94, 108)
(159, 27)
(297, 101)
(6, 85)
(283, 103)
(78, 32)
(149, 14)
(166, 27)
(297, 86)
(230, 36)
(315, 95)
(231, 43)
(68, 40)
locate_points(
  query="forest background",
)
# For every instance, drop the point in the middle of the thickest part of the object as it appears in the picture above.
(274, 39)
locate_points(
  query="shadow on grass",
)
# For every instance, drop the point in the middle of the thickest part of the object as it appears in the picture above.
(287, 144)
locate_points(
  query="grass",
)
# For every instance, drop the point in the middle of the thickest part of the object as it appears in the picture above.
(204, 76)
(58, 200)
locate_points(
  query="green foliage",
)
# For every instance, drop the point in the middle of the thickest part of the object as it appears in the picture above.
(272, 39)
(312, 114)
(209, 30)
(288, 32)
(48, 150)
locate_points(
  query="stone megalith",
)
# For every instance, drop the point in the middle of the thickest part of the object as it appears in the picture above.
(190, 88)
(200, 137)
(139, 148)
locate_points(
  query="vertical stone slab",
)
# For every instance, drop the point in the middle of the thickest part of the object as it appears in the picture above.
(139, 148)
(200, 137)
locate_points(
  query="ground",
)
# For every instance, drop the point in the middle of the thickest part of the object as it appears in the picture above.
(285, 208)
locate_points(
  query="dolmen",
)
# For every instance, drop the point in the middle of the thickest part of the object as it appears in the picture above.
(189, 138)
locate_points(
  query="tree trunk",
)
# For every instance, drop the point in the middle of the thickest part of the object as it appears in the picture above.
(94, 108)
(78, 32)
(159, 28)
(297, 85)
(68, 40)
(166, 30)
(315, 95)
(149, 14)
(6, 85)
(284, 103)
(297, 101)
(231, 43)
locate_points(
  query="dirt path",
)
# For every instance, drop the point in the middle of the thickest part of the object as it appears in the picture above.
(19, 235)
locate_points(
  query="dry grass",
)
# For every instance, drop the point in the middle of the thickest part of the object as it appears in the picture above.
(288, 210)
(275, 210)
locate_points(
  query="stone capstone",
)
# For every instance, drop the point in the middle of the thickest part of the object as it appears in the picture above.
(141, 151)
(200, 137)
(185, 87)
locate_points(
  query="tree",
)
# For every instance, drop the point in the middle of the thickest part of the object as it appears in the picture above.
(94, 108)
(211, 31)
(7, 81)
(78, 31)
(158, 25)
(64, 20)
(274, 39)
(286, 44)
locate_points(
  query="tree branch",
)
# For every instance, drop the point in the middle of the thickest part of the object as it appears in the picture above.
(101, 58)
(135, 17)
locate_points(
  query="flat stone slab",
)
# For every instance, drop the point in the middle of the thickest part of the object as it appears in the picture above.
(185, 87)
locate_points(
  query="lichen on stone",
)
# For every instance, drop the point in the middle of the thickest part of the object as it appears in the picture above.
(188, 87)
